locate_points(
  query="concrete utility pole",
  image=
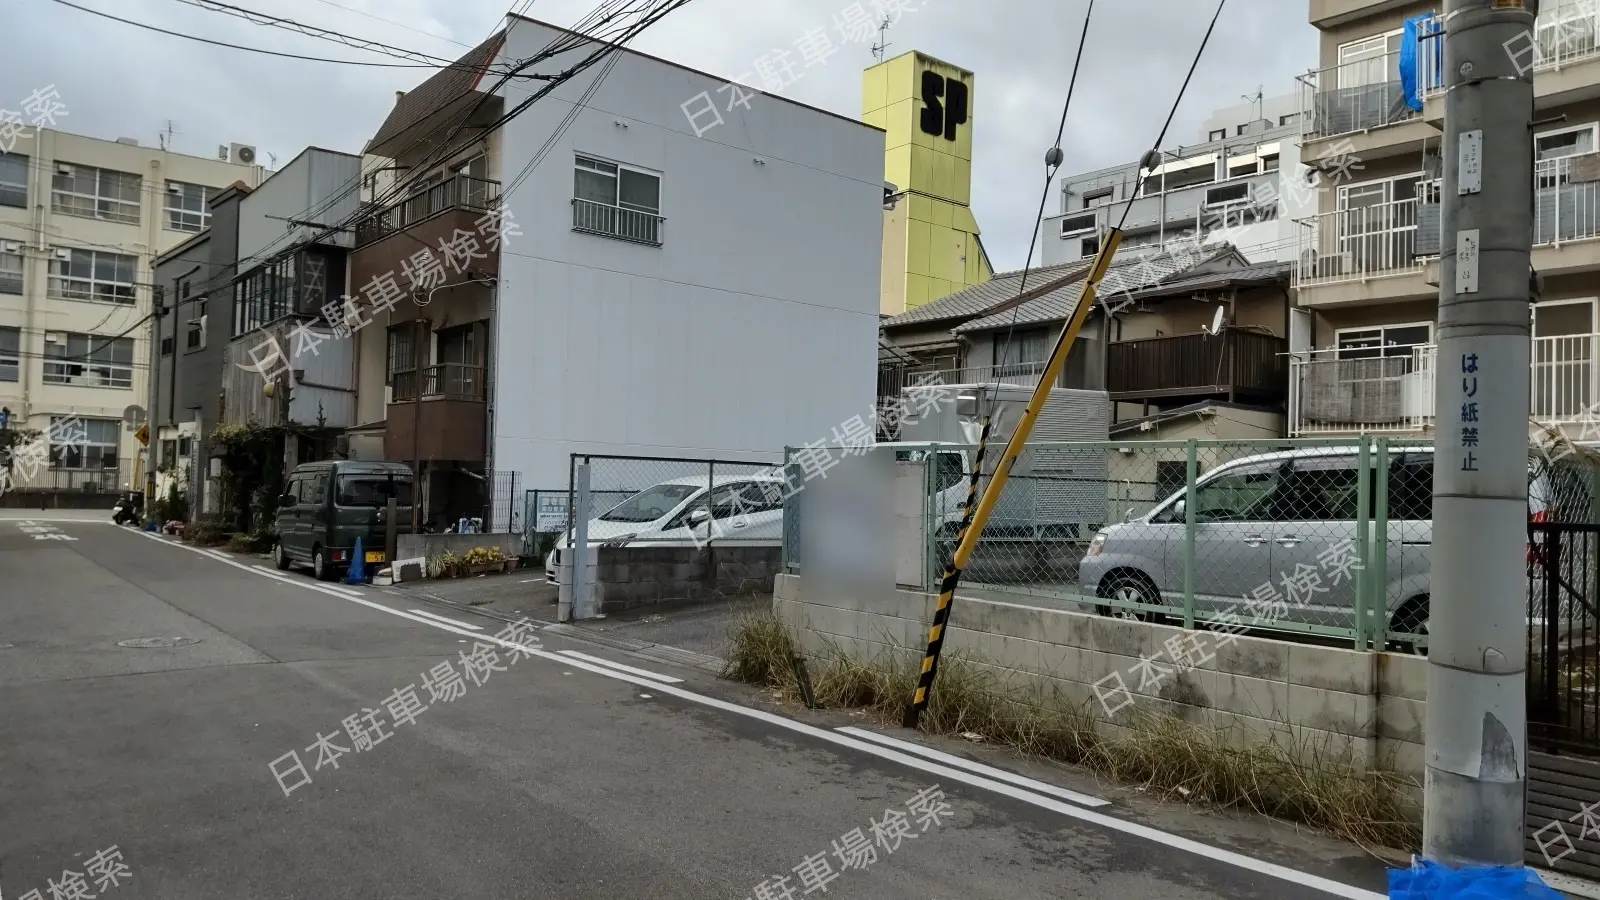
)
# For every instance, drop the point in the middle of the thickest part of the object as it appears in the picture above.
(1477, 643)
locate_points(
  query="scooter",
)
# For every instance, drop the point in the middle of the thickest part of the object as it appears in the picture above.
(126, 511)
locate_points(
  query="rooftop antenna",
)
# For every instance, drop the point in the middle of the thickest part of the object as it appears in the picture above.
(882, 44)
(1255, 101)
(165, 137)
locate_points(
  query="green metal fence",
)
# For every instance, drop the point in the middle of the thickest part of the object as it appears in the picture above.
(1329, 539)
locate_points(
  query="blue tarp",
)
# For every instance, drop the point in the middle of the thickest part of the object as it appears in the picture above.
(1410, 76)
(1427, 880)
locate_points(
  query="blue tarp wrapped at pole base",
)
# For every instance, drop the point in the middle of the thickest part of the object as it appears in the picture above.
(1427, 880)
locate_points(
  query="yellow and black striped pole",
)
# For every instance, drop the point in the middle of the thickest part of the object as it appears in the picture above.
(977, 514)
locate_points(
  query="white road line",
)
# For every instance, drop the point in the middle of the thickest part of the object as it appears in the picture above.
(643, 673)
(1133, 829)
(430, 615)
(976, 768)
(341, 591)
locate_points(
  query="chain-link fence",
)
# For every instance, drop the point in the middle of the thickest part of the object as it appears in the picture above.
(677, 502)
(1330, 538)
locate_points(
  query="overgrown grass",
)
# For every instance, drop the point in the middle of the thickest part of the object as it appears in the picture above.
(1282, 776)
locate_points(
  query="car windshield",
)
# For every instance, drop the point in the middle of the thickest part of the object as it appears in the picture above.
(373, 490)
(650, 505)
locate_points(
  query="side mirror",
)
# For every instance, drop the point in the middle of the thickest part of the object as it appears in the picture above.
(288, 500)
(699, 516)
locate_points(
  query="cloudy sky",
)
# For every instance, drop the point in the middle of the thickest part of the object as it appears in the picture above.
(117, 80)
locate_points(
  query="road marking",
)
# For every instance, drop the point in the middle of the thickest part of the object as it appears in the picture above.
(977, 768)
(341, 591)
(1133, 829)
(444, 619)
(214, 554)
(643, 673)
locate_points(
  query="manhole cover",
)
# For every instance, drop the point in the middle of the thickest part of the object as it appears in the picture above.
(155, 643)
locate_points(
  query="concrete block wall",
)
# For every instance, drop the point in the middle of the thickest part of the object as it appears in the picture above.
(630, 577)
(428, 546)
(1369, 704)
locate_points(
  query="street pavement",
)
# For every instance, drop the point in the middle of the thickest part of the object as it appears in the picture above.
(554, 776)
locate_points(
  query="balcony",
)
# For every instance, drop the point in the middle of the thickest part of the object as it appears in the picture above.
(424, 218)
(617, 222)
(1367, 254)
(1359, 110)
(1394, 394)
(1238, 365)
(1563, 53)
(1330, 393)
(450, 409)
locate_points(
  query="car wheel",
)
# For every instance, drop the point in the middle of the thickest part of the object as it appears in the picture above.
(1129, 588)
(319, 565)
(280, 557)
(1411, 619)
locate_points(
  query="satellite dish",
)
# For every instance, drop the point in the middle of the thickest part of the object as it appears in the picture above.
(1216, 323)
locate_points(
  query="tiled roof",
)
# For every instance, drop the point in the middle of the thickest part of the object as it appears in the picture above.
(980, 298)
(1260, 273)
(1123, 276)
(445, 87)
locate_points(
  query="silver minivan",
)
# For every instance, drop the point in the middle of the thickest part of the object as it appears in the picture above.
(1266, 518)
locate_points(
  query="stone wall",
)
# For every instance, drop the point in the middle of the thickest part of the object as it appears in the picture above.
(1370, 704)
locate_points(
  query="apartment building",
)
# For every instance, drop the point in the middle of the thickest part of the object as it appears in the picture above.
(634, 265)
(81, 222)
(1367, 271)
(1243, 176)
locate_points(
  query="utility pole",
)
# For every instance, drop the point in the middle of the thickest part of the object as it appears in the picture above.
(1476, 732)
(152, 422)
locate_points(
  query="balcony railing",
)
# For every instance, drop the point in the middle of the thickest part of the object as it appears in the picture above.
(1360, 243)
(445, 381)
(1353, 96)
(1567, 32)
(1243, 362)
(616, 221)
(1026, 374)
(1334, 394)
(425, 202)
(1563, 209)
(1329, 395)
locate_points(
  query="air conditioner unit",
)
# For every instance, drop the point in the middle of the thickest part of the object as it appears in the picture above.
(52, 337)
(11, 247)
(242, 153)
(63, 169)
(63, 253)
(174, 187)
(222, 152)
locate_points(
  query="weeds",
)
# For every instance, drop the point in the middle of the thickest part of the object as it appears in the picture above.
(1284, 776)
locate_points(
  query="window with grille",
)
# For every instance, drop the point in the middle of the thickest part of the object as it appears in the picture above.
(88, 360)
(97, 450)
(616, 200)
(96, 193)
(10, 273)
(13, 180)
(186, 206)
(93, 275)
(10, 353)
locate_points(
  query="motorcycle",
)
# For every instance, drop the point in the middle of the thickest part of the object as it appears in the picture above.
(126, 511)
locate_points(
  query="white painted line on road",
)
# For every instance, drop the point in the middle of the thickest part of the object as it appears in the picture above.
(977, 768)
(643, 673)
(1133, 829)
(430, 615)
(341, 591)
(214, 554)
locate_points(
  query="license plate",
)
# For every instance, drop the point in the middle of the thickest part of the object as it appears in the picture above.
(375, 556)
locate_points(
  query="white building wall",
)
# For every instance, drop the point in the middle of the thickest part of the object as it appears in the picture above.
(753, 327)
(36, 231)
(319, 185)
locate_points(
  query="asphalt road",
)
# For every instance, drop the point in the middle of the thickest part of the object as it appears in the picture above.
(556, 777)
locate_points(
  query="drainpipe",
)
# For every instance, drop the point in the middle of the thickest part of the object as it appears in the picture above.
(489, 392)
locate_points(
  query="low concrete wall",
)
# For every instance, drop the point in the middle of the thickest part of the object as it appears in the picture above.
(428, 546)
(22, 498)
(631, 577)
(1369, 703)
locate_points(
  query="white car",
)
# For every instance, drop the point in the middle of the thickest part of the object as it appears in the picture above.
(742, 510)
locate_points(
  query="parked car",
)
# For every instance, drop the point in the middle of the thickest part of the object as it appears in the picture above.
(742, 510)
(1261, 517)
(327, 505)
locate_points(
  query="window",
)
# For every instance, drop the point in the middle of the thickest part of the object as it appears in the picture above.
(1097, 198)
(10, 353)
(266, 294)
(1369, 61)
(13, 180)
(401, 356)
(96, 193)
(615, 200)
(741, 499)
(88, 360)
(650, 505)
(185, 446)
(166, 346)
(1552, 152)
(1241, 495)
(373, 490)
(93, 275)
(951, 471)
(1319, 490)
(97, 450)
(1075, 225)
(1220, 134)
(195, 330)
(1269, 162)
(1228, 194)
(186, 206)
(10, 273)
(1171, 476)
(1289, 119)
(1239, 131)
(1089, 246)
(169, 451)
(1382, 340)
